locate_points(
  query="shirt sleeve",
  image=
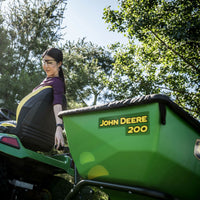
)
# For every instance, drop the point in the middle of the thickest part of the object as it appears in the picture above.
(58, 91)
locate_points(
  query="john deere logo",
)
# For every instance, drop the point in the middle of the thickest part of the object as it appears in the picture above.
(134, 124)
(197, 149)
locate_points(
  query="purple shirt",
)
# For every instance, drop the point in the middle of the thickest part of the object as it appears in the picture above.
(58, 88)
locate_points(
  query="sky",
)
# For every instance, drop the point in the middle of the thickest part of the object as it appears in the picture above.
(83, 18)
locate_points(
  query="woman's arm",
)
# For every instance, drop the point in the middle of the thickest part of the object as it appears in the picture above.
(59, 140)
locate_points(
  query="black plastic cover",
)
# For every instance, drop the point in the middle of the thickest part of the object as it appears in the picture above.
(36, 122)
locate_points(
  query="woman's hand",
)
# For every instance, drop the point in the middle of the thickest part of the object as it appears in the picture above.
(59, 140)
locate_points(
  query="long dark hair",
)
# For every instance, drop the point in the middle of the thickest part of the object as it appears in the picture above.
(58, 56)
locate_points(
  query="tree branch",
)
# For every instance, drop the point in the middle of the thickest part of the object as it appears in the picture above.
(175, 52)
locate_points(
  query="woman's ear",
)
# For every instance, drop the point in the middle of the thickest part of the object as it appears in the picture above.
(59, 64)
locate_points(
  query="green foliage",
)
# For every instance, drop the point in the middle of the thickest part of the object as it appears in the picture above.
(5, 73)
(87, 71)
(31, 27)
(163, 53)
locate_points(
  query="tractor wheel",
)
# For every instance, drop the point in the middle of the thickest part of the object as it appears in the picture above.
(59, 187)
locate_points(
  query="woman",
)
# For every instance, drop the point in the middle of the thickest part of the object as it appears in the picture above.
(52, 64)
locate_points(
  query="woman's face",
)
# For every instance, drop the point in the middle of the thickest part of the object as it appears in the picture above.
(50, 66)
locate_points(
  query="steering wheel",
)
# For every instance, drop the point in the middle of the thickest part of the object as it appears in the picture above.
(6, 114)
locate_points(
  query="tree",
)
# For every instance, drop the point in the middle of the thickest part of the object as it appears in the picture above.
(87, 71)
(4, 51)
(163, 53)
(32, 26)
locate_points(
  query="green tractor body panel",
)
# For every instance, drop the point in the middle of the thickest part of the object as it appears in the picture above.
(24, 157)
(148, 143)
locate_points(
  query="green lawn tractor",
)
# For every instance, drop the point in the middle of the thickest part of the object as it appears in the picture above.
(139, 148)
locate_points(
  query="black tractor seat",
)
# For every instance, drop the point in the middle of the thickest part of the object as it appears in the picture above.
(35, 121)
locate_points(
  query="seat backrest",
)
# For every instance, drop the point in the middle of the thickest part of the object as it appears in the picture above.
(36, 121)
